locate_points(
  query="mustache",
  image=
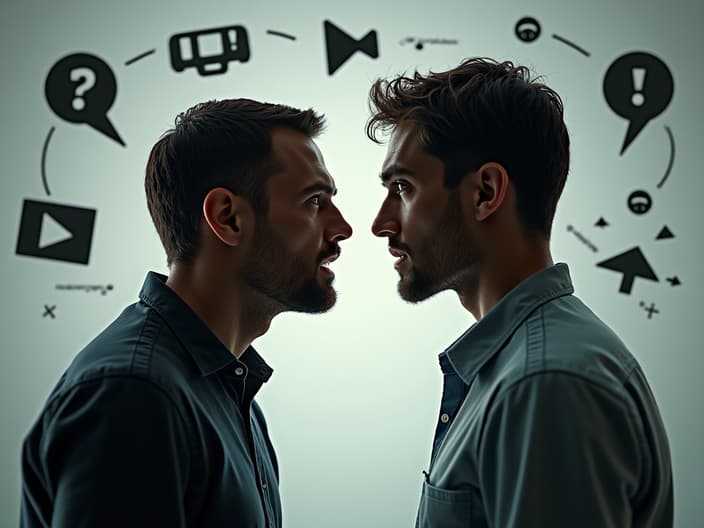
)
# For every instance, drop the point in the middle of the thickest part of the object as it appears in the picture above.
(400, 246)
(333, 251)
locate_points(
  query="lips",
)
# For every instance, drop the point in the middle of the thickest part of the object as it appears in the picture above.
(329, 259)
(398, 254)
(326, 262)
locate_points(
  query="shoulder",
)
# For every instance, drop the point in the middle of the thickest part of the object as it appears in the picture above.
(113, 397)
(137, 348)
(110, 412)
(565, 336)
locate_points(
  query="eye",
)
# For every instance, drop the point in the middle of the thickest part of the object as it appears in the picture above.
(399, 186)
(315, 200)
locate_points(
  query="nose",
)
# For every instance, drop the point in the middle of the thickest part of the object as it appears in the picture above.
(338, 229)
(384, 224)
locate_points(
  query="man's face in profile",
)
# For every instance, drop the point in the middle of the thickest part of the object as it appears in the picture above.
(422, 219)
(299, 235)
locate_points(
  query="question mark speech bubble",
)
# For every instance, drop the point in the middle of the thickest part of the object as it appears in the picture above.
(638, 86)
(81, 88)
(86, 79)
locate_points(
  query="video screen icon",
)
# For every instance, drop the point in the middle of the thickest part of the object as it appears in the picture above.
(209, 50)
(57, 232)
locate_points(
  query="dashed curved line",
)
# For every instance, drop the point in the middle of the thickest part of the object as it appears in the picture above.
(280, 34)
(572, 45)
(672, 157)
(44, 149)
(138, 57)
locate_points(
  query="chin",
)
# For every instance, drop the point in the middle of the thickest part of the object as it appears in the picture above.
(314, 298)
(416, 288)
(412, 296)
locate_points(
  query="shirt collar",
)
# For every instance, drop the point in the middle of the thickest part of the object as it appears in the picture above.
(208, 352)
(485, 338)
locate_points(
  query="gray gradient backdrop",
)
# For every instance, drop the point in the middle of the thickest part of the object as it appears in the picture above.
(353, 401)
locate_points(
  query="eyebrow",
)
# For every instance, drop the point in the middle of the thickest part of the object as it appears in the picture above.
(391, 171)
(319, 186)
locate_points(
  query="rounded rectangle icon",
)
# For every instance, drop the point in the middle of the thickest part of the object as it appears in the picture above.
(209, 50)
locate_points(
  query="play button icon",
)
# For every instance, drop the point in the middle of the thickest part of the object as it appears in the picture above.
(58, 232)
(52, 232)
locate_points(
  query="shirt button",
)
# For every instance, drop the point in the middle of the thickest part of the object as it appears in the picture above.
(444, 418)
(239, 371)
(263, 485)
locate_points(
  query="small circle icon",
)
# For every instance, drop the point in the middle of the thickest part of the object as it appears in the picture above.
(527, 29)
(639, 202)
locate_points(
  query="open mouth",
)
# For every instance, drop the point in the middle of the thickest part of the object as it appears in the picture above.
(400, 255)
(325, 264)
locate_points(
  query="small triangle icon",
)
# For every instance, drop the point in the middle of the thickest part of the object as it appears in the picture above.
(52, 232)
(601, 222)
(664, 233)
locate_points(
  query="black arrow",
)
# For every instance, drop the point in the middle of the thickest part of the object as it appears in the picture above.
(632, 264)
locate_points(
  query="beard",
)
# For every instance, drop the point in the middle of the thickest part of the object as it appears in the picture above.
(442, 261)
(285, 280)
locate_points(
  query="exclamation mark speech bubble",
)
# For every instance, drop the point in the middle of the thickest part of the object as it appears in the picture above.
(638, 87)
(638, 80)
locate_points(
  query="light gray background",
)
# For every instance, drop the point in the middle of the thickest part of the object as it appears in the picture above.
(354, 398)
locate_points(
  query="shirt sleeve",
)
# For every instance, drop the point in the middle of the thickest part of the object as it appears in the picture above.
(559, 450)
(111, 452)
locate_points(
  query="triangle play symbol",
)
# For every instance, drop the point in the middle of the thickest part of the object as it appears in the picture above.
(52, 232)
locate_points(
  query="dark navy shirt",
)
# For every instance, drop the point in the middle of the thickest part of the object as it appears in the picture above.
(153, 424)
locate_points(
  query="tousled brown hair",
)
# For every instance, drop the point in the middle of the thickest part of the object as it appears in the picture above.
(483, 111)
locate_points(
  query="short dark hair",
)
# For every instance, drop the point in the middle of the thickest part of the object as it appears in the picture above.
(223, 143)
(485, 111)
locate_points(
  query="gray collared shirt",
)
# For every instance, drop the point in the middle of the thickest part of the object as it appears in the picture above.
(555, 425)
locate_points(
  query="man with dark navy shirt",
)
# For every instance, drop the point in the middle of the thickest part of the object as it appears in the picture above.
(154, 423)
(546, 418)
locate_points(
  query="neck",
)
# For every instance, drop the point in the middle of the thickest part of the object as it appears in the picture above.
(228, 309)
(498, 273)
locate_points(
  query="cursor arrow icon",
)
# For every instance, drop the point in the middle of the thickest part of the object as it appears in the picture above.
(631, 264)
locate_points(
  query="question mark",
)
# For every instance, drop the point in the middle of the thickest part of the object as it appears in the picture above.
(87, 78)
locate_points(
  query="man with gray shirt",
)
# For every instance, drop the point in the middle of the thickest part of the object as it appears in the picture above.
(546, 418)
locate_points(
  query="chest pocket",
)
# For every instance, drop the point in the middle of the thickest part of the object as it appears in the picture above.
(441, 508)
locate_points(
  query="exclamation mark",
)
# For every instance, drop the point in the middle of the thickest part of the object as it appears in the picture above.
(638, 80)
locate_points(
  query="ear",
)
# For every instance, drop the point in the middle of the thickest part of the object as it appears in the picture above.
(490, 189)
(225, 212)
